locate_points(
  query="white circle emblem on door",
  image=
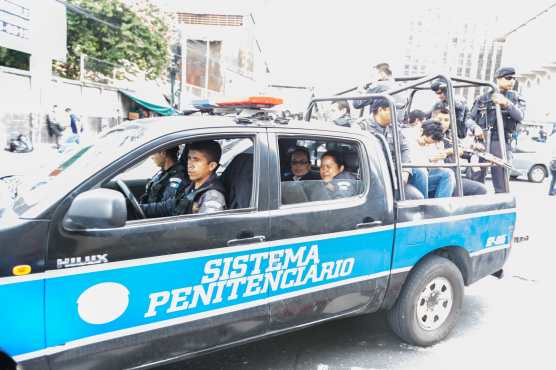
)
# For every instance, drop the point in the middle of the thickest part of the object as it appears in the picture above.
(103, 303)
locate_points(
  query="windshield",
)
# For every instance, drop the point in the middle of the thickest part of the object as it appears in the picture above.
(76, 165)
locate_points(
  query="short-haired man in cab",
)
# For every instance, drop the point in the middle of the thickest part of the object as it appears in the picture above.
(300, 166)
(380, 123)
(439, 182)
(442, 115)
(165, 183)
(339, 183)
(204, 194)
(484, 113)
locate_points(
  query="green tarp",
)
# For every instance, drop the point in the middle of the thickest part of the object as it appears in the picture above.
(152, 101)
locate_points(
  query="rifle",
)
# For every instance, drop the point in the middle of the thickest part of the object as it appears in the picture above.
(481, 152)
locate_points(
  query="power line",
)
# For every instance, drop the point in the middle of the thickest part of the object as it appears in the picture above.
(524, 24)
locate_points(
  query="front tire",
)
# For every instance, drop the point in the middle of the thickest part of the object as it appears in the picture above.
(537, 173)
(429, 304)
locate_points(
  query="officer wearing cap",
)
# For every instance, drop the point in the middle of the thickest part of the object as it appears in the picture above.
(484, 113)
(463, 121)
(165, 183)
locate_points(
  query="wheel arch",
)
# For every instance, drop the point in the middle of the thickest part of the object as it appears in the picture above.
(459, 256)
(6, 362)
(456, 254)
(542, 165)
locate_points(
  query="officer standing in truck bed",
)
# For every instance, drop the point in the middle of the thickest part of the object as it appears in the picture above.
(484, 113)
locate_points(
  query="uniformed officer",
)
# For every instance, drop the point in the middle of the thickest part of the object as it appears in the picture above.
(164, 185)
(382, 80)
(463, 120)
(484, 113)
(204, 194)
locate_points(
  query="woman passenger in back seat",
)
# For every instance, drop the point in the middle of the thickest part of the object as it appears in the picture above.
(339, 183)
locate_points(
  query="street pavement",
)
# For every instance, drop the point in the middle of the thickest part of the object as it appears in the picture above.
(505, 324)
(25, 163)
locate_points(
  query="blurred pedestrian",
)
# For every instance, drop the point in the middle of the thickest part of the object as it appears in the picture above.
(53, 125)
(76, 130)
(552, 187)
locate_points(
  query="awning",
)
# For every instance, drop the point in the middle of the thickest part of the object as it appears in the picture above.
(150, 98)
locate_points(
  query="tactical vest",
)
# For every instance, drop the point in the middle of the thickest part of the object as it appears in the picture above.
(487, 115)
(156, 186)
(190, 195)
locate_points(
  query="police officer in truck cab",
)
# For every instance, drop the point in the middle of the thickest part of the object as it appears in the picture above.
(204, 194)
(165, 183)
(484, 113)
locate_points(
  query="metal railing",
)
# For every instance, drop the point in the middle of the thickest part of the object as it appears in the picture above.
(423, 83)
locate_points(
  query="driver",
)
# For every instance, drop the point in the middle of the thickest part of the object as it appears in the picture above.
(205, 192)
(165, 184)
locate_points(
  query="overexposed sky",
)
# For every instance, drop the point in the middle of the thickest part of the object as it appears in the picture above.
(333, 44)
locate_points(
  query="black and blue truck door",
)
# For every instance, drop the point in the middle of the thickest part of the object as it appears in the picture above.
(341, 248)
(156, 288)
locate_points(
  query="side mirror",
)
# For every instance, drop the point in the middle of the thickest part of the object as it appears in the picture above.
(96, 209)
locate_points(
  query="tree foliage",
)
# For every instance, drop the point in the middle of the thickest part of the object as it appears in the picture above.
(137, 43)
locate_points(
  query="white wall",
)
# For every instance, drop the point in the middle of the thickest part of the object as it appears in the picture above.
(20, 110)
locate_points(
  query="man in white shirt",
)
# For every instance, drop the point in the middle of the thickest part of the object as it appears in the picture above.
(440, 182)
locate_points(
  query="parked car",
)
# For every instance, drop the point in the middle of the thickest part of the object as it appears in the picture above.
(531, 159)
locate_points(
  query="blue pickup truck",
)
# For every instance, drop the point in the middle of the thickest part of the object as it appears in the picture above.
(86, 282)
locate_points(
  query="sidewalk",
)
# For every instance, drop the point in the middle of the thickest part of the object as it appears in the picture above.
(25, 163)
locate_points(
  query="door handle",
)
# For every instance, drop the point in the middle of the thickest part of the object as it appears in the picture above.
(253, 239)
(365, 225)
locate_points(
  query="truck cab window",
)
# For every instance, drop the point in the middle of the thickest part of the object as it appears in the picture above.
(318, 170)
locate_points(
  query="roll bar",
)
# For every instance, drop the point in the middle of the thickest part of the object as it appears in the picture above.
(415, 83)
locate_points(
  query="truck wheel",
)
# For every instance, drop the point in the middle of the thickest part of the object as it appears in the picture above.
(537, 173)
(429, 303)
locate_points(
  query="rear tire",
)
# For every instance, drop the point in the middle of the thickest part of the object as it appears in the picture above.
(429, 304)
(537, 173)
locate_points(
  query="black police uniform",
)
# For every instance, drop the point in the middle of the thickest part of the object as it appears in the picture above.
(164, 185)
(342, 185)
(484, 113)
(207, 198)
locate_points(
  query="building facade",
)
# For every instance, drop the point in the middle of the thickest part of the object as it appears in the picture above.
(454, 43)
(220, 55)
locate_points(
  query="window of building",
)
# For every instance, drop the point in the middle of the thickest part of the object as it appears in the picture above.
(203, 64)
